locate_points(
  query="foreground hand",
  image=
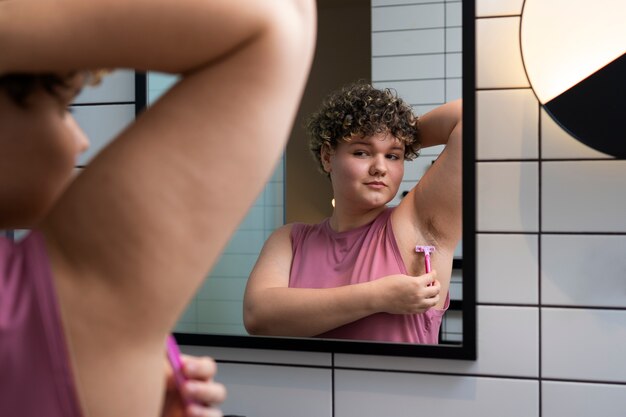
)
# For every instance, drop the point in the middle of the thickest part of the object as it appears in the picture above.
(405, 294)
(202, 394)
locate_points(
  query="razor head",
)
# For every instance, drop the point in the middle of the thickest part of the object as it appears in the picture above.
(424, 249)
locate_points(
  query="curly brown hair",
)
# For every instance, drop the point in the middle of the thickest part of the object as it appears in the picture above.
(360, 110)
(19, 86)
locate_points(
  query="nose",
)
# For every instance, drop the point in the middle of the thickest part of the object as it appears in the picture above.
(378, 166)
(80, 138)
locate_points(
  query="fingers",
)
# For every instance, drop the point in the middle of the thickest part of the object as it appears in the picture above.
(199, 367)
(205, 393)
(200, 387)
(195, 410)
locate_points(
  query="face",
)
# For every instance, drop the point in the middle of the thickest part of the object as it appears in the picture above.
(365, 172)
(38, 149)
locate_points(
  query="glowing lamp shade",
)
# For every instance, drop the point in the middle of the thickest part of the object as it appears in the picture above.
(574, 53)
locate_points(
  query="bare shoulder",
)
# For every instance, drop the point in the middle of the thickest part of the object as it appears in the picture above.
(279, 242)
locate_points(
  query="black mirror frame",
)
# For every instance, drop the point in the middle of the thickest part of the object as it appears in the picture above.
(467, 349)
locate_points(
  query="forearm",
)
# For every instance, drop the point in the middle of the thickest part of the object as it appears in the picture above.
(161, 35)
(441, 124)
(305, 312)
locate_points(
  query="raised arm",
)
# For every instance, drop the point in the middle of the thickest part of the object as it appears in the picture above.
(134, 235)
(434, 204)
(272, 308)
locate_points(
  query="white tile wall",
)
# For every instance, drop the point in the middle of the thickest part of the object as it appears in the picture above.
(582, 400)
(408, 42)
(116, 87)
(408, 67)
(486, 8)
(519, 256)
(498, 56)
(270, 391)
(507, 196)
(514, 133)
(508, 345)
(583, 270)
(375, 394)
(584, 196)
(264, 356)
(426, 16)
(418, 91)
(583, 344)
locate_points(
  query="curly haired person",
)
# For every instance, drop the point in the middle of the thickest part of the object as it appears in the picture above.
(356, 275)
(114, 254)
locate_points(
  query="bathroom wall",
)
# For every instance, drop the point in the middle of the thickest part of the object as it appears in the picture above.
(551, 286)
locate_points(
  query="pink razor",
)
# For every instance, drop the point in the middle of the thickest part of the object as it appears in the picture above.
(426, 250)
(173, 355)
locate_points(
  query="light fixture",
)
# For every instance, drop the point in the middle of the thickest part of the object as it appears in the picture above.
(574, 54)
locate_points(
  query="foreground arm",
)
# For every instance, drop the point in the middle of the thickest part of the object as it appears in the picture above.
(272, 308)
(135, 234)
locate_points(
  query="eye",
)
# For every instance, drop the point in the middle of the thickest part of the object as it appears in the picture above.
(393, 157)
(359, 153)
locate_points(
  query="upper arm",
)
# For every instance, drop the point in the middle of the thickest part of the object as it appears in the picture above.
(148, 217)
(435, 203)
(273, 267)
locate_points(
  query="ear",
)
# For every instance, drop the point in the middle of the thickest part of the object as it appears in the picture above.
(325, 154)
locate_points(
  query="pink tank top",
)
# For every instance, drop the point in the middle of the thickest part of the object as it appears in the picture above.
(323, 258)
(35, 374)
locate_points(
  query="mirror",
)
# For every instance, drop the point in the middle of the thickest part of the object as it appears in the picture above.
(412, 48)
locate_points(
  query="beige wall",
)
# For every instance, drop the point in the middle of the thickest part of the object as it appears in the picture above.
(343, 55)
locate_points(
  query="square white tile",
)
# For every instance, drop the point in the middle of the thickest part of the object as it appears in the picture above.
(418, 91)
(411, 67)
(396, 2)
(507, 196)
(489, 8)
(454, 15)
(498, 56)
(115, 87)
(571, 399)
(584, 270)
(425, 16)
(507, 124)
(375, 394)
(268, 391)
(583, 196)
(583, 344)
(406, 42)
(507, 268)
(223, 288)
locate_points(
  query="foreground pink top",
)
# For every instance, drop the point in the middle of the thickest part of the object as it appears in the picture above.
(35, 374)
(323, 258)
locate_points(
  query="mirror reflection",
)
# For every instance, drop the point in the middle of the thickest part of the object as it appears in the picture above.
(295, 289)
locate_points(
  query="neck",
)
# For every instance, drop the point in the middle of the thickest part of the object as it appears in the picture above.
(344, 220)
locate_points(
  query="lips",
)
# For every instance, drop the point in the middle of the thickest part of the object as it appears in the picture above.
(376, 184)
